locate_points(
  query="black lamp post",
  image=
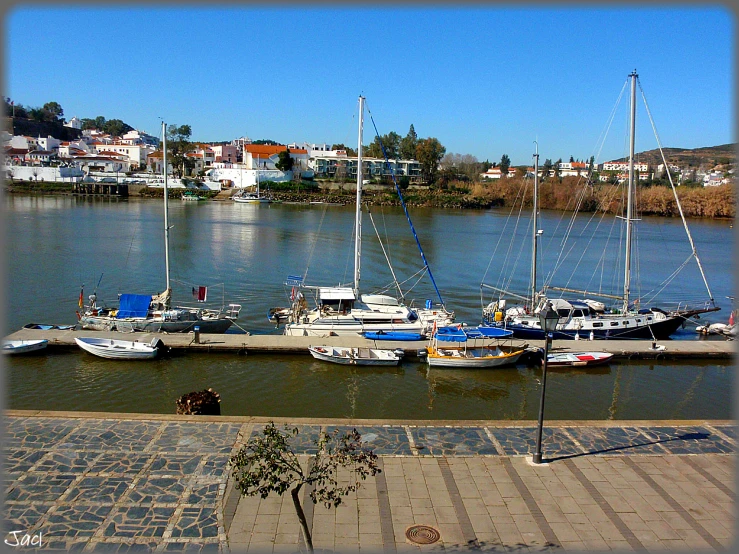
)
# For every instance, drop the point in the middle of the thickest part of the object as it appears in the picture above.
(548, 318)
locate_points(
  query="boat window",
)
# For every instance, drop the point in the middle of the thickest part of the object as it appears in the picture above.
(638, 320)
(563, 313)
(524, 322)
(577, 313)
(649, 318)
(598, 324)
(614, 323)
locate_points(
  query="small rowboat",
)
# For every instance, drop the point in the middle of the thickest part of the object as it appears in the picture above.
(120, 349)
(356, 356)
(562, 359)
(464, 356)
(23, 346)
(47, 327)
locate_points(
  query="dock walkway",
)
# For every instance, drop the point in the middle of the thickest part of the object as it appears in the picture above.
(90, 482)
(280, 344)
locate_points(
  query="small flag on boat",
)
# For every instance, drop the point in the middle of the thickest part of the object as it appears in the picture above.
(81, 301)
(200, 293)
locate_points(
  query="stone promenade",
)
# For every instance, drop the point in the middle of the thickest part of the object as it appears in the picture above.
(97, 482)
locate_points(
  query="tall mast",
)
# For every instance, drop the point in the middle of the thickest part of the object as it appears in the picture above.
(166, 200)
(535, 227)
(630, 195)
(358, 217)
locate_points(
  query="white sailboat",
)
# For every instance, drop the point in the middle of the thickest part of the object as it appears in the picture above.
(342, 310)
(154, 313)
(587, 318)
(252, 197)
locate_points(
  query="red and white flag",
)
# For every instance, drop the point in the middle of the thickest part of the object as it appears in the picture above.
(200, 293)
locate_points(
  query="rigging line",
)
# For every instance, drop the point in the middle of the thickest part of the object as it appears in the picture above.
(502, 234)
(315, 241)
(674, 191)
(505, 283)
(395, 279)
(668, 279)
(405, 209)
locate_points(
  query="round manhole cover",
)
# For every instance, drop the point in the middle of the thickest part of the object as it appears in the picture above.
(422, 534)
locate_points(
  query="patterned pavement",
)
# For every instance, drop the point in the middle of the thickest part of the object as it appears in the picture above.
(158, 483)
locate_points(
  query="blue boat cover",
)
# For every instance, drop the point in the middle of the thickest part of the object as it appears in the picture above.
(133, 305)
(488, 331)
(451, 334)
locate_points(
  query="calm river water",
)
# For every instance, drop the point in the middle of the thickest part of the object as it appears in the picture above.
(243, 253)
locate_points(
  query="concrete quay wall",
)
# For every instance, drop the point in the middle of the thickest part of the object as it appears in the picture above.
(280, 344)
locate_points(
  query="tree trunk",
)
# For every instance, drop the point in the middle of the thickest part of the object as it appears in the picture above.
(301, 517)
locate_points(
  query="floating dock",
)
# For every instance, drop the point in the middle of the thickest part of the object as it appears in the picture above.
(281, 344)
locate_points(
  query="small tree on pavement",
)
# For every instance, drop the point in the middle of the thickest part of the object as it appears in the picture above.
(268, 464)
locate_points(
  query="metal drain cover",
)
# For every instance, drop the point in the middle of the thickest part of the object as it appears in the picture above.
(422, 534)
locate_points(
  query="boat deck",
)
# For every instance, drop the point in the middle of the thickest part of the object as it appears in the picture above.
(280, 344)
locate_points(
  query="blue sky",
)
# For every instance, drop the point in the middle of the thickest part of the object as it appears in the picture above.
(484, 80)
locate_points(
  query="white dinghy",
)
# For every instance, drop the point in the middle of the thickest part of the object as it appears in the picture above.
(23, 346)
(356, 356)
(120, 349)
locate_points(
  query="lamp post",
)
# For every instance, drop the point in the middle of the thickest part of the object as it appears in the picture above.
(548, 318)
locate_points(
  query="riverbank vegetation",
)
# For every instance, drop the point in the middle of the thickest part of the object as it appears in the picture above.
(714, 202)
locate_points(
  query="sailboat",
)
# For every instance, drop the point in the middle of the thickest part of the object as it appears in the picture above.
(342, 310)
(154, 313)
(586, 318)
(252, 197)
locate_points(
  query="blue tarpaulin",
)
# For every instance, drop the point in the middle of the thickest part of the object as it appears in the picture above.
(133, 305)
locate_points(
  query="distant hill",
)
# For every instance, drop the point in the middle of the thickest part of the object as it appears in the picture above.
(708, 156)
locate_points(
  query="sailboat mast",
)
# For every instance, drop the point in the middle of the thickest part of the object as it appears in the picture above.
(630, 194)
(166, 200)
(358, 217)
(535, 227)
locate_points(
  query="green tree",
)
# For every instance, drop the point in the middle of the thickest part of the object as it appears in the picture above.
(429, 152)
(269, 464)
(53, 112)
(99, 122)
(557, 170)
(178, 146)
(349, 151)
(37, 114)
(284, 162)
(115, 127)
(407, 146)
(546, 168)
(391, 142)
(505, 163)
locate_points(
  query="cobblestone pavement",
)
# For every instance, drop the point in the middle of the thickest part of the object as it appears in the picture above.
(123, 482)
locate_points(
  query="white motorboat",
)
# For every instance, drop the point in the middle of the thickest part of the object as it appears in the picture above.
(576, 359)
(154, 313)
(356, 356)
(113, 349)
(23, 346)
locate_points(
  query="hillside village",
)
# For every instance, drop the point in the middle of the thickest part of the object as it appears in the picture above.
(135, 157)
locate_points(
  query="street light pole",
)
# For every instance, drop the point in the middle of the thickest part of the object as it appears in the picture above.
(548, 319)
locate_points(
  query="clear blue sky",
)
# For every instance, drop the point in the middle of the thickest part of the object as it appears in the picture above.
(484, 80)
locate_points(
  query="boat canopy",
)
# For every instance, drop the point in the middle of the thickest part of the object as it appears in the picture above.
(133, 305)
(450, 334)
(337, 293)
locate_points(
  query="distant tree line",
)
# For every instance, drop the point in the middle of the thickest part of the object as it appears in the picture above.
(52, 112)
